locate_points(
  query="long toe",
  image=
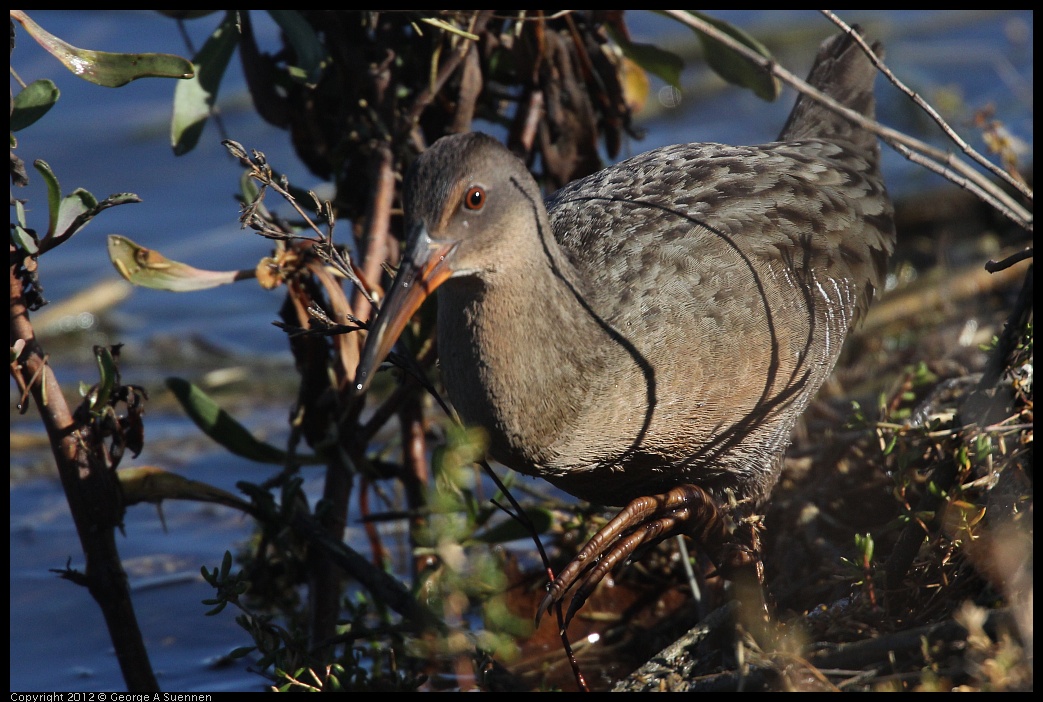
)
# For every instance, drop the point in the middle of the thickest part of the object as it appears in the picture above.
(645, 521)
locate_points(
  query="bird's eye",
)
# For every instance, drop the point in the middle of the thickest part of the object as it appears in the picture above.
(475, 198)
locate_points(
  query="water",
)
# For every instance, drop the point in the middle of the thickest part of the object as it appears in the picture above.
(118, 142)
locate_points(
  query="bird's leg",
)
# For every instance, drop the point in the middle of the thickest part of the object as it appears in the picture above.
(646, 533)
(739, 560)
(686, 508)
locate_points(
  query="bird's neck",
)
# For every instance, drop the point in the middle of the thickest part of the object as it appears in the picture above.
(517, 348)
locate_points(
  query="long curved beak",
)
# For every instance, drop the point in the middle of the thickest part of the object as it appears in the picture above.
(424, 268)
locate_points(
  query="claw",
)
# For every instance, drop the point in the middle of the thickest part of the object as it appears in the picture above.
(644, 521)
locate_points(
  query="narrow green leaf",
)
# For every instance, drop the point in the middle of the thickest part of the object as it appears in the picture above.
(734, 67)
(865, 544)
(312, 56)
(32, 103)
(54, 193)
(114, 70)
(665, 64)
(101, 67)
(19, 213)
(250, 190)
(116, 199)
(152, 484)
(108, 374)
(194, 99)
(216, 610)
(221, 426)
(151, 269)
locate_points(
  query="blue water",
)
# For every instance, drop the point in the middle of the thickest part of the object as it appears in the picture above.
(118, 141)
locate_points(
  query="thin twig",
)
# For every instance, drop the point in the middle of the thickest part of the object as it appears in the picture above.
(1012, 210)
(424, 98)
(931, 112)
(262, 173)
(994, 266)
(946, 170)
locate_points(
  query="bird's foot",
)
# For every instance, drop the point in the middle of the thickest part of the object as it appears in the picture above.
(684, 509)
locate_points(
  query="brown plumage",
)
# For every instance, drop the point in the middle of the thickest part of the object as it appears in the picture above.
(654, 331)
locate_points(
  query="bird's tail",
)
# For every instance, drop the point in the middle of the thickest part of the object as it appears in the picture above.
(844, 72)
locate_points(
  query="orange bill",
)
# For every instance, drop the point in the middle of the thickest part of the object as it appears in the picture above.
(424, 268)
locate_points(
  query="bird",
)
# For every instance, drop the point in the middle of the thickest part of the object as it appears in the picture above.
(648, 336)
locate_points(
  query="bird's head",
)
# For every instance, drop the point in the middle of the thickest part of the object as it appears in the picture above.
(460, 198)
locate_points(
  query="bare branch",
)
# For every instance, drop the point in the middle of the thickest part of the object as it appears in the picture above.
(1013, 210)
(931, 112)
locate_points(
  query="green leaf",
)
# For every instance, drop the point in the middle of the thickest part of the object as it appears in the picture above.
(865, 545)
(216, 610)
(891, 443)
(54, 193)
(311, 55)
(23, 240)
(68, 215)
(19, 212)
(101, 67)
(250, 192)
(734, 67)
(32, 103)
(74, 211)
(109, 376)
(241, 651)
(152, 484)
(194, 98)
(665, 64)
(221, 426)
(150, 269)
